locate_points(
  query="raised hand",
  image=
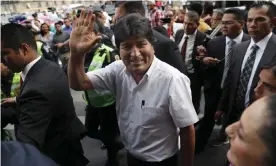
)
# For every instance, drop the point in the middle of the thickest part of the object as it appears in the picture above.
(83, 37)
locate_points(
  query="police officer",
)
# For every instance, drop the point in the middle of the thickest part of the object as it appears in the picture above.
(10, 87)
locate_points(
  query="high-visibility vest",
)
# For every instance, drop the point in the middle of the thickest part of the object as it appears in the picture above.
(15, 88)
(39, 46)
(100, 98)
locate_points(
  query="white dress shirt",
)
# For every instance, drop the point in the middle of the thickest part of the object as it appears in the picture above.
(262, 45)
(150, 113)
(28, 67)
(189, 50)
(237, 40)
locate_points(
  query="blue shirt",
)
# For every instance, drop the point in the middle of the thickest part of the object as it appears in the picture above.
(19, 154)
(68, 30)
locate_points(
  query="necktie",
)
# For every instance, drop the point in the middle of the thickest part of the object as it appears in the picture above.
(169, 31)
(227, 61)
(184, 47)
(244, 78)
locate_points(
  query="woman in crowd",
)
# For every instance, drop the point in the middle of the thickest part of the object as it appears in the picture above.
(45, 34)
(253, 138)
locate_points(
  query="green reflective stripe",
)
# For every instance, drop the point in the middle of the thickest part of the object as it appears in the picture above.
(100, 98)
(39, 46)
(15, 88)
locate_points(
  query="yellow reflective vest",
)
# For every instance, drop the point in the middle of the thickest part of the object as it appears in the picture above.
(39, 46)
(15, 87)
(100, 98)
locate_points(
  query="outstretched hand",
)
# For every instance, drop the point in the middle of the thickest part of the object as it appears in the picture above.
(83, 37)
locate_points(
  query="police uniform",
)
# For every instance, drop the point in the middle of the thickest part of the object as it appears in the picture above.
(100, 109)
(10, 87)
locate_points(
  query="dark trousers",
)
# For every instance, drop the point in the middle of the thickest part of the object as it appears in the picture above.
(196, 84)
(107, 120)
(171, 161)
(70, 154)
(231, 117)
(205, 128)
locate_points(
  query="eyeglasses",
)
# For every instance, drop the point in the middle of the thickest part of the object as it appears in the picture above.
(227, 22)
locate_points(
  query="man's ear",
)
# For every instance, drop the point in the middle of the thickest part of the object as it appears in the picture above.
(242, 23)
(25, 48)
(273, 22)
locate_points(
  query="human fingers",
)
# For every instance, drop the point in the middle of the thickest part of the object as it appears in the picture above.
(75, 22)
(81, 18)
(88, 18)
(91, 23)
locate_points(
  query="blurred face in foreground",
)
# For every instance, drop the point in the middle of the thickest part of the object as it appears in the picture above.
(247, 147)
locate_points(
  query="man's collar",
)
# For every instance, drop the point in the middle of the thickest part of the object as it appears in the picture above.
(238, 39)
(262, 43)
(190, 35)
(151, 68)
(28, 67)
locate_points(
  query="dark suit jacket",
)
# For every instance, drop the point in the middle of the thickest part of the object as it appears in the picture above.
(239, 51)
(46, 116)
(167, 51)
(199, 40)
(216, 49)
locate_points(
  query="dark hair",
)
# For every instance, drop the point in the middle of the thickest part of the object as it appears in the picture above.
(34, 15)
(161, 29)
(97, 13)
(119, 3)
(271, 12)
(132, 25)
(239, 15)
(271, 65)
(13, 35)
(208, 8)
(193, 15)
(268, 132)
(59, 23)
(196, 6)
(41, 32)
(134, 7)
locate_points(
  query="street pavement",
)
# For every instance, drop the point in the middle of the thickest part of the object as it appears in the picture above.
(92, 148)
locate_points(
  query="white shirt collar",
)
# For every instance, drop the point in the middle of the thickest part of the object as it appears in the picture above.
(152, 67)
(262, 43)
(28, 67)
(237, 40)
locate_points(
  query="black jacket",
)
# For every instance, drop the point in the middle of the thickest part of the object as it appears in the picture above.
(47, 117)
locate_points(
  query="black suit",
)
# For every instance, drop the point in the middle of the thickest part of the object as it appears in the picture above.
(196, 78)
(227, 102)
(212, 88)
(167, 51)
(47, 118)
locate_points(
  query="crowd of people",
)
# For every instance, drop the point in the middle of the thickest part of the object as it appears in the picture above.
(142, 76)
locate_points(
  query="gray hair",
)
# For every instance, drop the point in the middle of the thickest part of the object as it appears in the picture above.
(219, 12)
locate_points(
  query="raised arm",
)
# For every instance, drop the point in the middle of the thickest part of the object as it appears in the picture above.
(82, 39)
